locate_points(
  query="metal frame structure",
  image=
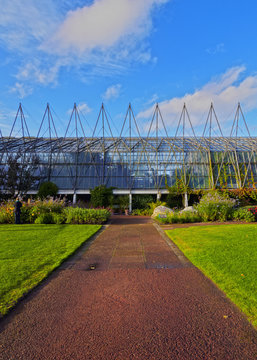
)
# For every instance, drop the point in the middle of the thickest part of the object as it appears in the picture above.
(132, 163)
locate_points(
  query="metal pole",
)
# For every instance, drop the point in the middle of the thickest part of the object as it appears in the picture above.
(130, 203)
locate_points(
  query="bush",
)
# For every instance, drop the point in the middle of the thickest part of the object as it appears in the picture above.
(243, 215)
(142, 212)
(149, 210)
(123, 201)
(154, 205)
(214, 206)
(86, 216)
(46, 189)
(180, 218)
(101, 196)
(174, 201)
(52, 212)
(6, 212)
(141, 201)
(246, 196)
(46, 218)
(59, 218)
(46, 206)
(3, 218)
(25, 214)
(253, 211)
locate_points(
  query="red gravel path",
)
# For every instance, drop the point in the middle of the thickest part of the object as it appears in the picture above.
(140, 302)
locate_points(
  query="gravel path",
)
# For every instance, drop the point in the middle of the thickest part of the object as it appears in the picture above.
(129, 296)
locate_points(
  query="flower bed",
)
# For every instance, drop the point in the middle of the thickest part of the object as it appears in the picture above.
(52, 212)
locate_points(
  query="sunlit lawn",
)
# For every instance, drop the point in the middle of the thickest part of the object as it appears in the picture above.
(227, 254)
(28, 253)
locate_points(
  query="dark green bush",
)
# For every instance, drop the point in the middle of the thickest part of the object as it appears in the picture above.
(123, 201)
(141, 201)
(174, 201)
(25, 215)
(101, 196)
(46, 189)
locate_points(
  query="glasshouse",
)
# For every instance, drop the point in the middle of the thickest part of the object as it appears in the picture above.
(132, 163)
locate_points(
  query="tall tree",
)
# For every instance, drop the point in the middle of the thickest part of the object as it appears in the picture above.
(19, 174)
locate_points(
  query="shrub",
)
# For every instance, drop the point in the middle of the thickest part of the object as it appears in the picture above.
(214, 206)
(142, 212)
(180, 218)
(6, 213)
(3, 218)
(123, 202)
(25, 214)
(46, 218)
(253, 211)
(46, 206)
(86, 216)
(46, 189)
(141, 201)
(59, 218)
(174, 201)
(149, 210)
(154, 205)
(101, 196)
(243, 215)
(245, 195)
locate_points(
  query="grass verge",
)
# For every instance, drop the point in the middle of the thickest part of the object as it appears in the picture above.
(227, 254)
(28, 253)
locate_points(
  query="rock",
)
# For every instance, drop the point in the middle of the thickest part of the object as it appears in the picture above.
(188, 208)
(162, 211)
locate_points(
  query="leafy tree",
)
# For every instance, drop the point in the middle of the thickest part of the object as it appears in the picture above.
(18, 175)
(47, 188)
(123, 202)
(178, 193)
(101, 196)
(141, 201)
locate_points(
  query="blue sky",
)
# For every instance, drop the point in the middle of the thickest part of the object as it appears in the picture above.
(128, 51)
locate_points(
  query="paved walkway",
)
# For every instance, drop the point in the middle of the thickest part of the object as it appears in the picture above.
(129, 296)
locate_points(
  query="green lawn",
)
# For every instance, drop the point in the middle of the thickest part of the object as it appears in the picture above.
(28, 253)
(227, 254)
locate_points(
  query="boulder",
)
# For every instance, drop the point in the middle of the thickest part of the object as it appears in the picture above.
(162, 211)
(188, 208)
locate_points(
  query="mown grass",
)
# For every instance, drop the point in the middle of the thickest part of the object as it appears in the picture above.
(28, 253)
(227, 254)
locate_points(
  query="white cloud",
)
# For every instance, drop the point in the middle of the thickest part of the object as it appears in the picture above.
(84, 108)
(103, 24)
(35, 71)
(112, 92)
(21, 90)
(225, 92)
(94, 37)
(23, 22)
